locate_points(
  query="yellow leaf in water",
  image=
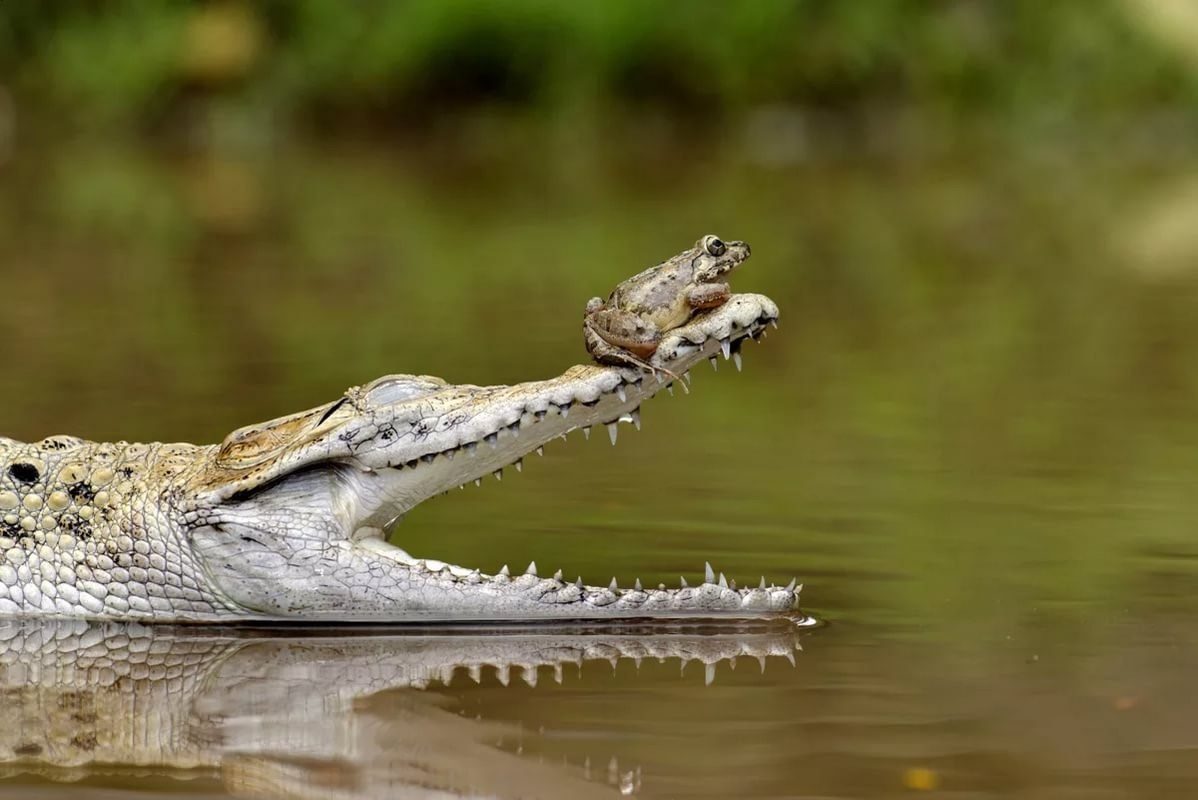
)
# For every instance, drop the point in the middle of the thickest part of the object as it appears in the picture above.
(920, 778)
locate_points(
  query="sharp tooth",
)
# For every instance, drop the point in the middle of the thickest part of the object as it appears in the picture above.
(762, 586)
(637, 585)
(709, 675)
(682, 582)
(738, 361)
(586, 432)
(621, 393)
(559, 673)
(578, 582)
(557, 576)
(540, 449)
(723, 581)
(450, 454)
(726, 348)
(613, 585)
(636, 417)
(505, 572)
(428, 458)
(708, 573)
(461, 486)
(715, 363)
(670, 389)
(478, 481)
(612, 431)
(761, 661)
(498, 474)
(532, 569)
(774, 323)
(686, 379)
(519, 465)
(471, 447)
(492, 439)
(565, 410)
(790, 587)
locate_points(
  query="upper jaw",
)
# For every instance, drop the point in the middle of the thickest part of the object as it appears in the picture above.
(409, 422)
(461, 433)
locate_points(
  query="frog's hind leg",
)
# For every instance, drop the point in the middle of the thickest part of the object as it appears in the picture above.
(606, 352)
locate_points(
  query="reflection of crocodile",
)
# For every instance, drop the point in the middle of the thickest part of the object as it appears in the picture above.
(287, 518)
(298, 713)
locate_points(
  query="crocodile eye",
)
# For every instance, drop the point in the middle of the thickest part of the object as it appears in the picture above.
(714, 246)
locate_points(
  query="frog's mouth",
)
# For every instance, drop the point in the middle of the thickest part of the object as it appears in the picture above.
(331, 557)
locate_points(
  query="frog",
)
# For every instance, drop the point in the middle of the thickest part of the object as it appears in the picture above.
(626, 329)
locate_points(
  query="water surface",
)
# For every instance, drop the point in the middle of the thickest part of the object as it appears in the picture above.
(973, 439)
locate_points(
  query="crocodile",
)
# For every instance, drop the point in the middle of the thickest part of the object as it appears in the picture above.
(305, 712)
(289, 519)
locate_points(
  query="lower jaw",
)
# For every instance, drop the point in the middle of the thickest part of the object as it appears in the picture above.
(433, 591)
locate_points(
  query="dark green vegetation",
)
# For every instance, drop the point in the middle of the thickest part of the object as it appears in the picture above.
(403, 63)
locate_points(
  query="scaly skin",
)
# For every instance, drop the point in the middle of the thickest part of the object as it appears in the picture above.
(286, 519)
(308, 713)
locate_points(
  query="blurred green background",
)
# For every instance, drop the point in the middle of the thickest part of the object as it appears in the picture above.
(977, 428)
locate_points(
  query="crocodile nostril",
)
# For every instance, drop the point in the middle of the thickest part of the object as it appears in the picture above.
(24, 472)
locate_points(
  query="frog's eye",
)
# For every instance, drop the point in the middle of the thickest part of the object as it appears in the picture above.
(713, 245)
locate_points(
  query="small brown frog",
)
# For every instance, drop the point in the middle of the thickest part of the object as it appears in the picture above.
(625, 330)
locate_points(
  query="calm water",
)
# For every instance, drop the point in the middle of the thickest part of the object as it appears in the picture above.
(974, 439)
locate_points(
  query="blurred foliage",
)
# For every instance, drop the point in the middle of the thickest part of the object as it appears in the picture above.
(402, 62)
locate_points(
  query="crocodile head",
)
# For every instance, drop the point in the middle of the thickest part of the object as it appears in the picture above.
(289, 518)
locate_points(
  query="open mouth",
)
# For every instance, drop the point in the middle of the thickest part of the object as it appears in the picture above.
(608, 397)
(407, 438)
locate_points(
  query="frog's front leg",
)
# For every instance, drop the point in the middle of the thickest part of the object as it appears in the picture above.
(708, 295)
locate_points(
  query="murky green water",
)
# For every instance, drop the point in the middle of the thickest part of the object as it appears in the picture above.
(974, 439)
